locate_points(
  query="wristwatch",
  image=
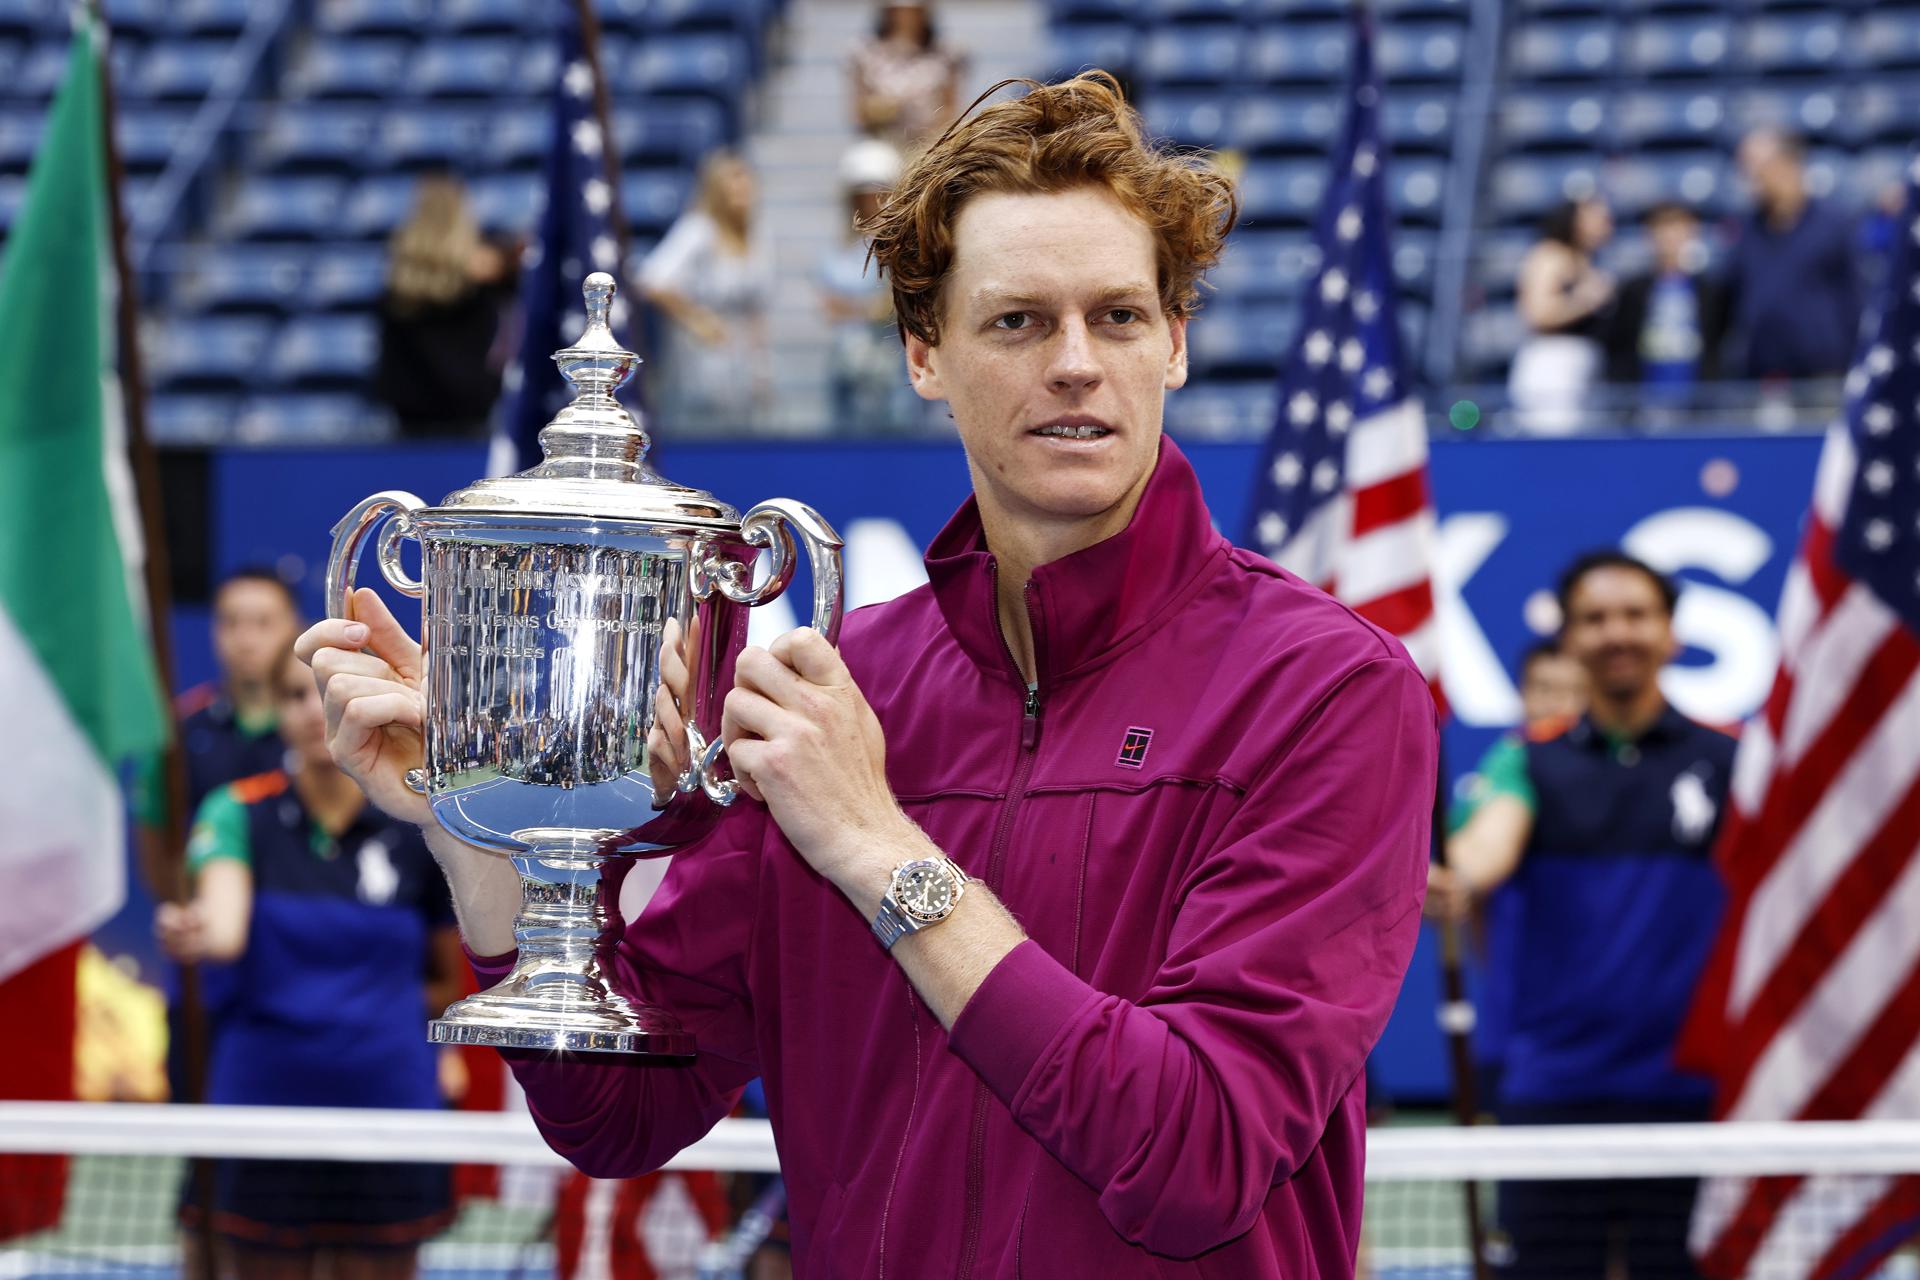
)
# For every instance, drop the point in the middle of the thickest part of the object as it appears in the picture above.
(924, 892)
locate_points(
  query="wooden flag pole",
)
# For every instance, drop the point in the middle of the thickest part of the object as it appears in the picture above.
(163, 851)
(1456, 1016)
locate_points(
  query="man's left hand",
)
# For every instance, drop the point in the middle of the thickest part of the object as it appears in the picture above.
(803, 740)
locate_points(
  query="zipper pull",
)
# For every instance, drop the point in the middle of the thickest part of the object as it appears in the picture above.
(1030, 723)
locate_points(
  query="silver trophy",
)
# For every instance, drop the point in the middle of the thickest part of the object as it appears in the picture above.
(545, 595)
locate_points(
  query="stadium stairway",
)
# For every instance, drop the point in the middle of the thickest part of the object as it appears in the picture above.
(807, 124)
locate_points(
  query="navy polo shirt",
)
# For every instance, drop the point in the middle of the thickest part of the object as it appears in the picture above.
(1618, 902)
(218, 746)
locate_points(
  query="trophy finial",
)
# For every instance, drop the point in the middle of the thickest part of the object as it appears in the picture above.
(595, 435)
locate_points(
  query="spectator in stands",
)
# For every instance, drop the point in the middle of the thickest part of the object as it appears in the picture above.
(713, 277)
(227, 725)
(1564, 298)
(447, 288)
(906, 82)
(334, 936)
(1666, 328)
(1602, 824)
(1793, 273)
(866, 366)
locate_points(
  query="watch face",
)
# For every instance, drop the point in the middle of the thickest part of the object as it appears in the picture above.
(925, 891)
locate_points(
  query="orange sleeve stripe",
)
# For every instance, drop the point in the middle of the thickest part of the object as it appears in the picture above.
(261, 786)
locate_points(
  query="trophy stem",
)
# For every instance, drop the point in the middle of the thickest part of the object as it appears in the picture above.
(560, 994)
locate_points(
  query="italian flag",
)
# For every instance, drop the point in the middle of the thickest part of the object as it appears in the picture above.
(79, 696)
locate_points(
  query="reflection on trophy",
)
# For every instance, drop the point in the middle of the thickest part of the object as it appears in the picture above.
(545, 596)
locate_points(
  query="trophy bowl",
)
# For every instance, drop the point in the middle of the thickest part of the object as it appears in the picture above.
(544, 599)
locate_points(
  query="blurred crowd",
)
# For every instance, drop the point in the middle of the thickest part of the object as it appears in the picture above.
(1777, 301)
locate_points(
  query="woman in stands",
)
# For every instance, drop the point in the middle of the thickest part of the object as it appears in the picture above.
(447, 287)
(906, 82)
(1564, 297)
(329, 940)
(713, 277)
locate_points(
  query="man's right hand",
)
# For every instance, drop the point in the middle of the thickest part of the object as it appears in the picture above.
(370, 675)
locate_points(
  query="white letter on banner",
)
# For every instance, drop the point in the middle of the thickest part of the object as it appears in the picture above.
(1477, 686)
(1735, 630)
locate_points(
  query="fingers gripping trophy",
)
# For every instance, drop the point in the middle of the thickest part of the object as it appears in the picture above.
(549, 600)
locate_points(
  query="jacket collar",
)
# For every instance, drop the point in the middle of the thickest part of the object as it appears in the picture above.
(1669, 726)
(1093, 603)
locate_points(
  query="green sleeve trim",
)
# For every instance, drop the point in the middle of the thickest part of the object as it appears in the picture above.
(219, 831)
(1502, 772)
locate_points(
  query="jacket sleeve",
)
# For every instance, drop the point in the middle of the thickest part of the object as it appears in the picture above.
(687, 952)
(1184, 1108)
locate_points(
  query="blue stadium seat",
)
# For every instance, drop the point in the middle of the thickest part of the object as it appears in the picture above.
(244, 281)
(1297, 124)
(191, 419)
(1870, 173)
(653, 198)
(1083, 45)
(1281, 11)
(324, 353)
(1421, 52)
(352, 69)
(1189, 119)
(1282, 192)
(1392, 11)
(374, 17)
(141, 19)
(1416, 186)
(1300, 54)
(19, 139)
(1525, 187)
(1799, 43)
(431, 137)
(508, 202)
(493, 17)
(1679, 46)
(1063, 11)
(626, 15)
(1270, 266)
(473, 68)
(709, 65)
(1488, 338)
(298, 208)
(25, 18)
(1886, 112)
(520, 135)
(311, 418)
(1193, 10)
(149, 137)
(180, 70)
(1565, 8)
(668, 130)
(1813, 113)
(1564, 50)
(323, 137)
(346, 278)
(1413, 252)
(1247, 339)
(377, 205)
(1690, 117)
(37, 71)
(1175, 56)
(211, 17)
(217, 353)
(706, 15)
(1568, 119)
(1419, 121)
(1889, 37)
(1219, 409)
(1702, 180)
(539, 65)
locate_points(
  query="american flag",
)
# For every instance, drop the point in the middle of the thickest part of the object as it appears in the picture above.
(1341, 494)
(1810, 1006)
(577, 237)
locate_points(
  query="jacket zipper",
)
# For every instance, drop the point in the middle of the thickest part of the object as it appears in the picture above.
(1022, 769)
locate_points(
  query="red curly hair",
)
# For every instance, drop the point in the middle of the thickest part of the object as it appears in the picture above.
(1055, 137)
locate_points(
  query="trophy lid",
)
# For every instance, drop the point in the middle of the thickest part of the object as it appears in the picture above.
(596, 452)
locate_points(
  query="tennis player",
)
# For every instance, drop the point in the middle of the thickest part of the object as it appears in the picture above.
(1080, 881)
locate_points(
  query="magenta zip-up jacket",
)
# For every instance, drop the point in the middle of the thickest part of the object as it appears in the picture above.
(1212, 821)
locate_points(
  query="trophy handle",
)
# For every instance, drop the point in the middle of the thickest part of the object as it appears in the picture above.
(350, 535)
(772, 525)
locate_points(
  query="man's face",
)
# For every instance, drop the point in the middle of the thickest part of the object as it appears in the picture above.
(1770, 168)
(1553, 686)
(1055, 356)
(1673, 235)
(252, 626)
(1618, 629)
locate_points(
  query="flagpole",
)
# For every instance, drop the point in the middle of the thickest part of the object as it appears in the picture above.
(163, 852)
(610, 162)
(1456, 1021)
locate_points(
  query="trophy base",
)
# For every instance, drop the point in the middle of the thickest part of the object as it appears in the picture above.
(499, 1019)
